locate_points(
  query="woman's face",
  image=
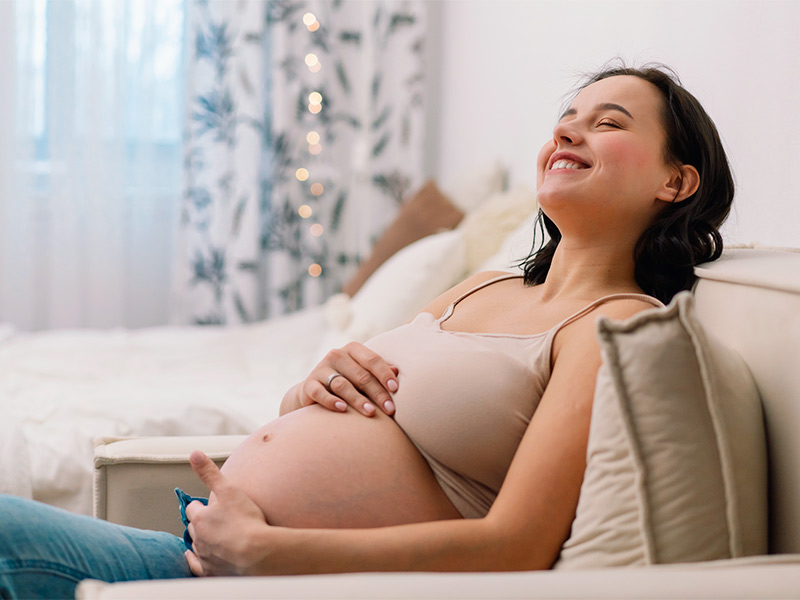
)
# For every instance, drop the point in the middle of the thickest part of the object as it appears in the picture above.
(605, 163)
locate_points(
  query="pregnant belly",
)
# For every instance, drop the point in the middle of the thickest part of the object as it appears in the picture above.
(316, 468)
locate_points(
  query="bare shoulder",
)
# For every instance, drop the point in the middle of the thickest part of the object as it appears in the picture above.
(579, 339)
(622, 308)
(437, 307)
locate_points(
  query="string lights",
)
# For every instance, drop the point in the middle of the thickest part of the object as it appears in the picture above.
(314, 102)
(310, 21)
(314, 146)
(312, 62)
(313, 138)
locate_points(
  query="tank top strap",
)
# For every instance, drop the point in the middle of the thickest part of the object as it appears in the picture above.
(451, 307)
(627, 296)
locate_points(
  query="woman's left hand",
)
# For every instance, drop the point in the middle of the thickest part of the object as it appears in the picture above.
(222, 532)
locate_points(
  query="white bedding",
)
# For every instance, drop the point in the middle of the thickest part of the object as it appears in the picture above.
(61, 389)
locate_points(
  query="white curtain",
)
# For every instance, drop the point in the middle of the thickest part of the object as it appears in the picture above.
(90, 200)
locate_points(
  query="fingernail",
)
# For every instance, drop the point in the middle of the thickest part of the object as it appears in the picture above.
(369, 408)
(340, 405)
(196, 457)
(388, 406)
(392, 385)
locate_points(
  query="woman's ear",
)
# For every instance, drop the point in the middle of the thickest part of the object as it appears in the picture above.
(683, 182)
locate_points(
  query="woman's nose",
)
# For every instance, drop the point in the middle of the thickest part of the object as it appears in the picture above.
(566, 132)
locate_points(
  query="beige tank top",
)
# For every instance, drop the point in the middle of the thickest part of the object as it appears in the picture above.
(465, 399)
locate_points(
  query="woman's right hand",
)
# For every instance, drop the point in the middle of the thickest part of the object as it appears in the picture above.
(352, 375)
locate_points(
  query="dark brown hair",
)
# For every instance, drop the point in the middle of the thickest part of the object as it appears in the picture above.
(685, 233)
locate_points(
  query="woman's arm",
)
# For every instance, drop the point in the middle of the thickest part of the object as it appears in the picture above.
(525, 528)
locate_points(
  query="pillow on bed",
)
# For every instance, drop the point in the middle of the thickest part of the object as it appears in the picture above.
(428, 211)
(676, 461)
(398, 290)
(487, 227)
(471, 189)
(516, 246)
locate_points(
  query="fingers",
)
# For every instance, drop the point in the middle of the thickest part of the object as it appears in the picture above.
(194, 563)
(208, 472)
(367, 381)
(372, 376)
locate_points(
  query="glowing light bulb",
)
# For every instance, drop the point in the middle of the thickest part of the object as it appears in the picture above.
(305, 211)
(312, 137)
(315, 98)
(315, 68)
(314, 270)
(309, 19)
(301, 174)
(311, 59)
(315, 148)
(317, 189)
(314, 108)
(316, 230)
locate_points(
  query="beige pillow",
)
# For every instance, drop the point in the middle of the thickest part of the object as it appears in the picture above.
(490, 224)
(676, 461)
(397, 291)
(472, 187)
(427, 212)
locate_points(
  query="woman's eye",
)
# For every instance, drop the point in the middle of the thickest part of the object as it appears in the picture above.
(609, 124)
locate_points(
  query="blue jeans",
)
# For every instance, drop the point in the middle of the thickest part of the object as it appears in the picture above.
(46, 551)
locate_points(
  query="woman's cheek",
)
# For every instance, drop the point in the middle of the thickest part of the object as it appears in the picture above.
(640, 157)
(541, 161)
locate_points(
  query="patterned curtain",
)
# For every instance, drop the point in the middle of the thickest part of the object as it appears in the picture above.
(304, 133)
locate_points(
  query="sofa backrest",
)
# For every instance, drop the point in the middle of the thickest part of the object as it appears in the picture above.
(750, 299)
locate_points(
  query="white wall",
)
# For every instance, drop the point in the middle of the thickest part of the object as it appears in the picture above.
(505, 66)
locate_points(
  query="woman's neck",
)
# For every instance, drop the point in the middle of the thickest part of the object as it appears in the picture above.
(588, 271)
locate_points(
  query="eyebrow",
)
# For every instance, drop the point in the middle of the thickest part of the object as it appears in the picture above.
(599, 108)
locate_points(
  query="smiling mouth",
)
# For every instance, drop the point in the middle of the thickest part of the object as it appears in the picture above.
(567, 164)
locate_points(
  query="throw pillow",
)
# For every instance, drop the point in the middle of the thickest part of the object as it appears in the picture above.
(398, 290)
(516, 246)
(676, 461)
(487, 227)
(471, 188)
(427, 212)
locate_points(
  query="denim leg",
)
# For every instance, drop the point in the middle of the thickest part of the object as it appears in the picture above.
(46, 551)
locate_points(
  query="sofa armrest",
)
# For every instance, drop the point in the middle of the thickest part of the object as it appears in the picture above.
(134, 478)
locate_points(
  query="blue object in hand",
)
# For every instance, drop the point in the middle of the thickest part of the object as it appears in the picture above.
(185, 499)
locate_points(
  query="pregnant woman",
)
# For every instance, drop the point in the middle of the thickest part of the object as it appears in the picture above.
(457, 441)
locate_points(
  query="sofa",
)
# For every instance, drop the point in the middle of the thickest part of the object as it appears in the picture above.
(747, 304)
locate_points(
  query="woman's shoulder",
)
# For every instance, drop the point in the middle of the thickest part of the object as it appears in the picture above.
(581, 333)
(440, 304)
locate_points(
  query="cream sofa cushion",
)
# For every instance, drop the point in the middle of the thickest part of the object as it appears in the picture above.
(676, 459)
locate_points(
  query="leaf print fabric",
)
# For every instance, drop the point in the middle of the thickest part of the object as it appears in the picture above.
(304, 133)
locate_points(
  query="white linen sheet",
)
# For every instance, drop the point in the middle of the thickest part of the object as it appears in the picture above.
(61, 389)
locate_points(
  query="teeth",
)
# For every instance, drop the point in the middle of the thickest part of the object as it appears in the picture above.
(566, 164)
